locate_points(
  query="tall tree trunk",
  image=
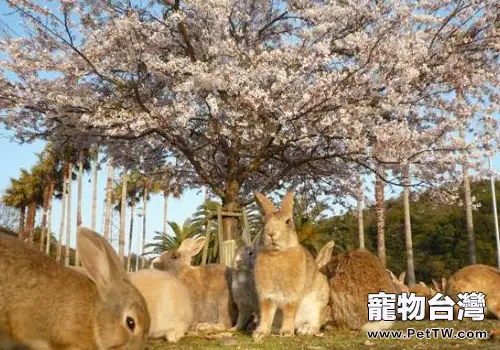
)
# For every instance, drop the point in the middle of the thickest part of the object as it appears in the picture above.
(144, 228)
(408, 236)
(131, 234)
(468, 216)
(231, 203)
(68, 216)
(46, 193)
(79, 202)
(22, 218)
(49, 218)
(63, 212)
(380, 215)
(468, 200)
(361, 226)
(166, 193)
(109, 200)
(94, 188)
(31, 221)
(123, 217)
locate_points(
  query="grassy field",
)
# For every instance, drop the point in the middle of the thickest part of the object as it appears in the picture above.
(343, 339)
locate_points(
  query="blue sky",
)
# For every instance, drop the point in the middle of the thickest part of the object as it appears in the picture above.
(15, 156)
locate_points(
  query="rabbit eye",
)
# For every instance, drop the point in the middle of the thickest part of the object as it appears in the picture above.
(250, 253)
(130, 323)
(288, 222)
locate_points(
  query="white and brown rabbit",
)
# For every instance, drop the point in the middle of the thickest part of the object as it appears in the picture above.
(287, 277)
(47, 306)
(209, 285)
(169, 303)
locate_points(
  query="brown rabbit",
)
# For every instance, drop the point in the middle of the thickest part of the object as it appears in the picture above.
(352, 276)
(209, 285)
(286, 275)
(169, 304)
(477, 278)
(46, 305)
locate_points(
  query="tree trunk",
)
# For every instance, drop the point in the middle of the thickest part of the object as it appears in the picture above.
(109, 199)
(408, 238)
(123, 215)
(63, 213)
(468, 200)
(68, 216)
(145, 214)
(131, 234)
(380, 216)
(79, 203)
(468, 217)
(166, 193)
(22, 217)
(230, 224)
(31, 221)
(361, 226)
(49, 218)
(46, 193)
(94, 189)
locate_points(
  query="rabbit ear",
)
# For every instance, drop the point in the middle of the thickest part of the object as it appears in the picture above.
(198, 245)
(325, 254)
(265, 204)
(99, 259)
(435, 285)
(402, 277)
(191, 247)
(255, 239)
(287, 204)
(392, 275)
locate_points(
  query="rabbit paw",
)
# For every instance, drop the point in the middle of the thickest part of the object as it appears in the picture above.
(307, 329)
(286, 332)
(259, 335)
(174, 336)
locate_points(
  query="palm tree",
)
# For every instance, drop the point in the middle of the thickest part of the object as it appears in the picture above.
(123, 213)
(168, 188)
(380, 214)
(133, 199)
(15, 196)
(163, 241)
(46, 171)
(96, 167)
(84, 165)
(65, 177)
(408, 235)
(109, 199)
(360, 204)
(148, 185)
(32, 187)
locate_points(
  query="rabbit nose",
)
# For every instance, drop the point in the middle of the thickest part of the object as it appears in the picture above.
(271, 233)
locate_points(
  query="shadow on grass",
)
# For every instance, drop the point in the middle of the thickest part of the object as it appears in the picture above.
(346, 339)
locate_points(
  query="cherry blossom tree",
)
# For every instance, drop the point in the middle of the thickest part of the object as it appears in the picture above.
(258, 94)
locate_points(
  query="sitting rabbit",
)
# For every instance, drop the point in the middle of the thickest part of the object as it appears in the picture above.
(47, 306)
(287, 277)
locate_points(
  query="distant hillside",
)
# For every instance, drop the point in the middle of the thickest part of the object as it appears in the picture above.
(439, 233)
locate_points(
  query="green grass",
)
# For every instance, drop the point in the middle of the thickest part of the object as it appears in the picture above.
(344, 339)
